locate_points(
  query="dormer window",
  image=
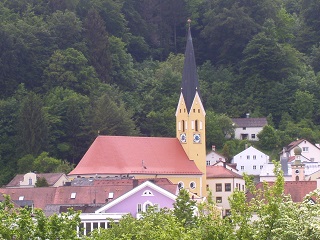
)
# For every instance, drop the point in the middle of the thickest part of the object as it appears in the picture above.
(21, 198)
(147, 193)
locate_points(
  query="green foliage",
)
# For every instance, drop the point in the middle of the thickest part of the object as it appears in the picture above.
(268, 138)
(184, 209)
(25, 223)
(69, 69)
(32, 125)
(218, 128)
(42, 182)
(111, 117)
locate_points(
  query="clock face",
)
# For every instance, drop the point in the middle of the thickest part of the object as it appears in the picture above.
(196, 138)
(183, 138)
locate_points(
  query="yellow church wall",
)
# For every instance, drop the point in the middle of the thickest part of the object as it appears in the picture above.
(186, 124)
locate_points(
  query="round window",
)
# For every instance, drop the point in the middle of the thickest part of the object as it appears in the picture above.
(192, 185)
(180, 185)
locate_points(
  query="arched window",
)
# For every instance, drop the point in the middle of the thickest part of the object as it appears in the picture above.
(297, 178)
(196, 125)
(180, 185)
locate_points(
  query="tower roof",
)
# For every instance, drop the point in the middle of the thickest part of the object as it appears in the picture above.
(190, 82)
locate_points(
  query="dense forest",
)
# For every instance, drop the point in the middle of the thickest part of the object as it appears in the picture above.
(73, 69)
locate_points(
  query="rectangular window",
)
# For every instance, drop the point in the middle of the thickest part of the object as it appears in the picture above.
(228, 212)
(242, 167)
(305, 149)
(253, 136)
(244, 128)
(261, 166)
(218, 187)
(254, 157)
(156, 207)
(248, 157)
(242, 187)
(208, 163)
(218, 199)
(254, 167)
(227, 187)
(73, 195)
(139, 208)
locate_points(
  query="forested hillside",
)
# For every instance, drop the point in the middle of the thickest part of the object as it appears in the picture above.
(73, 69)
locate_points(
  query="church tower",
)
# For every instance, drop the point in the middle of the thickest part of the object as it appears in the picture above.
(190, 114)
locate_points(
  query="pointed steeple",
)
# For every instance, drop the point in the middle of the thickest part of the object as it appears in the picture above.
(190, 82)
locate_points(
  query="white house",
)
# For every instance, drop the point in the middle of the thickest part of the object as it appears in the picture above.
(214, 157)
(250, 161)
(248, 128)
(309, 151)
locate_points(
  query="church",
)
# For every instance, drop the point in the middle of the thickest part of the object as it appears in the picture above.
(182, 159)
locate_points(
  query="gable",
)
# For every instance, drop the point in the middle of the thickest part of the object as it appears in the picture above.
(250, 150)
(146, 192)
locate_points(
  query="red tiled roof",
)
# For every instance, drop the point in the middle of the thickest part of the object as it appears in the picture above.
(250, 122)
(98, 193)
(296, 189)
(294, 144)
(221, 172)
(40, 196)
(135, 155)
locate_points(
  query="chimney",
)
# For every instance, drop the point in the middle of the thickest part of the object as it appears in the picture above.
(213, 148)
(247, 115)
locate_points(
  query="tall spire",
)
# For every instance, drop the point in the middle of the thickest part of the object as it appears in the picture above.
(190, 82)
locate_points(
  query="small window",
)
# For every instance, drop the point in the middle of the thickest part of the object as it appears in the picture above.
(228, 212)
(218, 187)
(254, 167)
(194, 110)
(180, 185)
(254, 157)
(198, 110)
(253, 136)
(248, 156)
(21, 198)
(192, 185)
(242, 187)
(110, 195)
(73, 195)
(156, 207)
(218, 199)
(261, 166)
(208, 163)
(30, 181)
(244, 128)
(305, 149)
(139, 208)
(147, 193)
(227, 187)
(196, 126)
(242, 167)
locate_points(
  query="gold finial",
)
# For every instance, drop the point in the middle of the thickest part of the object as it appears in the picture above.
(189, 22)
